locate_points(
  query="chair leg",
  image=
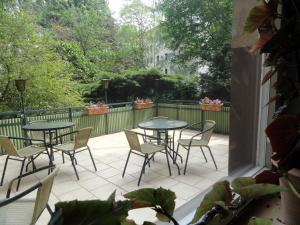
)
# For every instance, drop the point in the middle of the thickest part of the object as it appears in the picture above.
(92, 158)
(143, 169)
(212, 156)
(176, 154)
(203, 153)
(4, 170)
(63, 156)
(21, 171)
(126, 163)
(73, 164)
(33, 164)
(168, 162)
(186, 161)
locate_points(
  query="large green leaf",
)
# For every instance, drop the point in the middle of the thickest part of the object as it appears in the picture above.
(94, 212)
(258, 190)
(150, 197)
(242, 182)
(259, 221)
(219, 192)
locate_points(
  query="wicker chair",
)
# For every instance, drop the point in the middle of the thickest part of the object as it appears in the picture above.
(29, 152)
(15, 210)
(79, 144)
(200, 139)
(146, 150)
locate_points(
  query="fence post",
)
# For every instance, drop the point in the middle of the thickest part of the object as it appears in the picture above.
(202, 115)
(133, 116)
(70, 115)
(177, 111)
(106, 122)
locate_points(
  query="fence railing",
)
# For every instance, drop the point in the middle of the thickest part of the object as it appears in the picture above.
(120, 116)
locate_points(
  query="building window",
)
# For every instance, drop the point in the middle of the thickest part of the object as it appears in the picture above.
(166, 71)
(157, 58)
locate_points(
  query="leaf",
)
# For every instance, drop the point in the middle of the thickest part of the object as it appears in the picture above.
(148, 223)
(259, 221)
(242, 182)
(128, 222)
(150, 197)
(260, 43)
(94, 212)
(258, 190)
(257, 16)
(112, 197)
(220, 192)
(143, 197)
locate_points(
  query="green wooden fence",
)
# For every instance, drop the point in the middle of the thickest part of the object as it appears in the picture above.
(120, 117)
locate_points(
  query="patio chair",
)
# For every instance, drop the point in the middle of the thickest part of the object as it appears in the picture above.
(200, 139)
(17, 211)
(146, 150)
(79, 144)
(29, 152)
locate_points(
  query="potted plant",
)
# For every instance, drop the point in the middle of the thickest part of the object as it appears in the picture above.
(211, 105)
(96, 109)
(277, 23)
(143, 104)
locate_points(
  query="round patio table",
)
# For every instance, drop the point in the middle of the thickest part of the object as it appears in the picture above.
(164, 124)
(48, 127)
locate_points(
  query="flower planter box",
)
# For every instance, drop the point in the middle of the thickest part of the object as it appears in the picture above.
(143, 105)
(211, 107)
(96, 110)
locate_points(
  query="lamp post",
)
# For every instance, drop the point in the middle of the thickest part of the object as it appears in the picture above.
(21, 84)
(105, 84)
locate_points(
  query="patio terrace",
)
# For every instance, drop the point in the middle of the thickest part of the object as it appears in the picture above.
(110, 152)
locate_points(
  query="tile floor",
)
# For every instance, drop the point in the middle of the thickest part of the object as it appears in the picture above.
(110, 152)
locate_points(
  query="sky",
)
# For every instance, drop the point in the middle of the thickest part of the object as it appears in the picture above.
(116, 5)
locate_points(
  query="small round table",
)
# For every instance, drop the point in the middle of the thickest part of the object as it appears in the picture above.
(48, 127)
(164, 124)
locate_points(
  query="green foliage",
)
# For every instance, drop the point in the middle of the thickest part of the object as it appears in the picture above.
(143, 83)
(94, 212)
(260, 221)
(200, 31)
(161, 199)
(27, 54)
(219, 192)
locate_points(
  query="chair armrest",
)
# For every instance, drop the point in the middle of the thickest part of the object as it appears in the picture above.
(24, 175)
(18, 196)
(26, 139)
(148, 136)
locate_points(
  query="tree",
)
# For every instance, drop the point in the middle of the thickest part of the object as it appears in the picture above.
(200, 32)
(138, 16)
(27, 54)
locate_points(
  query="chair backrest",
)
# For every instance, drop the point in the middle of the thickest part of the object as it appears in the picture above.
(208, 128)
(82, 137)
(43, 194)
(8, 146)
(36, 134)
(133, 140)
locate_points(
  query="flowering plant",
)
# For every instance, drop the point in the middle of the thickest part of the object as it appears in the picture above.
(207, 100)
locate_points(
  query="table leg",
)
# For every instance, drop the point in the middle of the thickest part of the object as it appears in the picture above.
(171, 150)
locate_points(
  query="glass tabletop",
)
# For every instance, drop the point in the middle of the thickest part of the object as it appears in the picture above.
(47, 126)
(162, 124)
